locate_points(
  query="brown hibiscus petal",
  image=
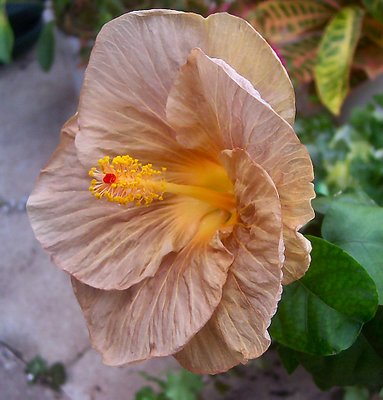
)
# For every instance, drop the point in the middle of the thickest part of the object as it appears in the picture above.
(237, 330)
(237, 43)
(103, 244)
(234, 115)
(159, 315)
(132, 68)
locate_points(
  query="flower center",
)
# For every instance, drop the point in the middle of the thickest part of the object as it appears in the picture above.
(125, 180)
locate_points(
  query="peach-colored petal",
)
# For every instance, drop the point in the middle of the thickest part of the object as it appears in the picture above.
(103, 244)
(237, 330)
(132, 68)
(223, 109)
(159, 315)
(237, 43)
(207, 352)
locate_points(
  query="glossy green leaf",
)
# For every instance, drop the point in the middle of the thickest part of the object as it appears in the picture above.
(46, 46)
(336, 51)
(285, 20)
(6, 37)
(324, 203)
(358, 229)
(324, 311)
(361, 364)
(375, 8)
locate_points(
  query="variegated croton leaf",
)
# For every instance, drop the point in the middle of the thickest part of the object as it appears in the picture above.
(335, 55)
(281, 21)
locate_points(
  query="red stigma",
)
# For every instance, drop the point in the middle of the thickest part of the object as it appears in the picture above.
(109, 178)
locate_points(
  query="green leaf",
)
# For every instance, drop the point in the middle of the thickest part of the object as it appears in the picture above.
(46, 46)
(288, 358)
(36, 368)
(373, 332)
(375, 8)
(6, 37)
(59, 7)
(358, 365)
(146, 393)
(323, 204)
(183, 385)
(285, 20)
(324, 311)
(336, 51)
(361, 364)
(57, 375)
(356, 393)
(358, 229)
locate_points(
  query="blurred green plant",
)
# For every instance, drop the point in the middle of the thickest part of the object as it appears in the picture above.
(6, 35)
(321, 40)
(331, 320)
(181, 385)
(349, 157)
(38, 371)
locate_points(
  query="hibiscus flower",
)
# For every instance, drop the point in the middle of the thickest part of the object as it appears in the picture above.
(181, 238)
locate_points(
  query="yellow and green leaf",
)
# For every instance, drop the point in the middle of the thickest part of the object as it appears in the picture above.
(335, 55)
(285, 20)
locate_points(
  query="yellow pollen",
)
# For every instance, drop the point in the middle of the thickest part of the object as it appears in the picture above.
(125, 180)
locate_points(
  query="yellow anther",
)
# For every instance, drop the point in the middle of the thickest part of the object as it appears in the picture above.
(125, 180)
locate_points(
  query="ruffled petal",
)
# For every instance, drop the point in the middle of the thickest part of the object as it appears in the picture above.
(132, 68)
(237, 330)
(103, 244)
(159, 315)
(223, 109)
(237, 43)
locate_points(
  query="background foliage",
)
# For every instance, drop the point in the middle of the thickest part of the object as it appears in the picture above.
(331, 321)
(336, 43)
(333, 42)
